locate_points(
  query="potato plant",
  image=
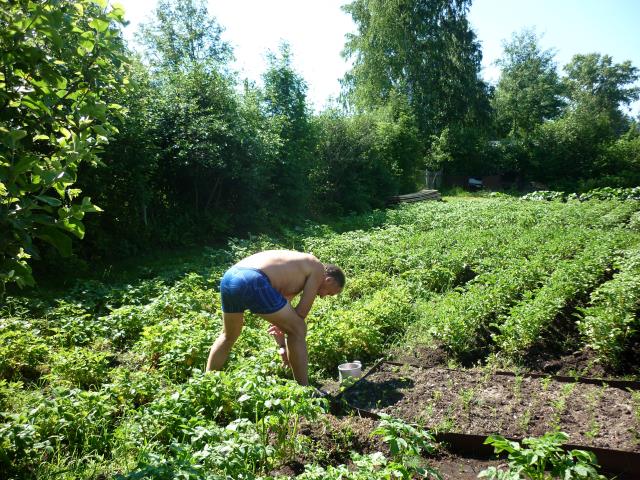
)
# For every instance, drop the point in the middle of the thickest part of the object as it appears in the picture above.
(526, 323)
(541, 459)
(610, 320)
(462, 319)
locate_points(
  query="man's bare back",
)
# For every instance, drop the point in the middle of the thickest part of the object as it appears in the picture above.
(288, 271)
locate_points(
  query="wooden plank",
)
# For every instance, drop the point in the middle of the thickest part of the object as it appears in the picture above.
(416, 196)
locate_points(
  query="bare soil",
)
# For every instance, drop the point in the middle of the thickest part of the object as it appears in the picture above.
(478, 401)
(331, 440)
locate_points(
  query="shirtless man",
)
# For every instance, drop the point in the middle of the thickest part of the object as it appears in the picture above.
(265, 283)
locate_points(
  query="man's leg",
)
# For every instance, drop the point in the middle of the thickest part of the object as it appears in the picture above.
(294, 327)
(232, 326)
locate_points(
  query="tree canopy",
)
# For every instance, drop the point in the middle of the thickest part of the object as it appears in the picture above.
(529, 90)
(183, 33)
(595, 83)
(425, 50)
(60, 63)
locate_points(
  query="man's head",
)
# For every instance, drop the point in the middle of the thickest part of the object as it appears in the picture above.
(333, 282)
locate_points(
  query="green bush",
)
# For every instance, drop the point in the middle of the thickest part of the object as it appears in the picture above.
(82, 367)
(176, 346)
(22, 350)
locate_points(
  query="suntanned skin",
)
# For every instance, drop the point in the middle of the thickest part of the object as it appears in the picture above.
(290, 273)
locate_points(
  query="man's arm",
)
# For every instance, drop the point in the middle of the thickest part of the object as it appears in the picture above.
(310, 289)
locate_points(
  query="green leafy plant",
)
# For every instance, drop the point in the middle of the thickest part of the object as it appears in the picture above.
(609, 322)
(407, 443)
(80, 366)
(593, 399)
(467, 397)
(366, 467)
(139, 345)
(281, 408)
(559, 404)
(542, 459)
(22, 349)
(404, 439)
(529, 319)
(178, 346)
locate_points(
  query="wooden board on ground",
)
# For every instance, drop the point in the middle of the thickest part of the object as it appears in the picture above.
(416, 197)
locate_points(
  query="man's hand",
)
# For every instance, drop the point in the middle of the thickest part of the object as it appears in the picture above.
(278, 336)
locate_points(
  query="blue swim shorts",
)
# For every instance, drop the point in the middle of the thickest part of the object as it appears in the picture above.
(243, 288)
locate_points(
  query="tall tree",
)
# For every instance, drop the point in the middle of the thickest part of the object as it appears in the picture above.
(182, 33)
(423, 49)
(529, 90)
(205, 163)
(123, 183)
(595, 84)
(286, 108)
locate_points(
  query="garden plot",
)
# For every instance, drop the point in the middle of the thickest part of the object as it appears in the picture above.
(117, 367)
(332, 439)
(484, 402)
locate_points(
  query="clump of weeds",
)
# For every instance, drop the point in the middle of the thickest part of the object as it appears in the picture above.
(560, 405)
(593, 399)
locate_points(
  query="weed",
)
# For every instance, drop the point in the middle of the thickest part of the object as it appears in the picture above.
(427, 411)
(560, 404)
(524, 421)
(593, 399)
(517, 387)
(467, 396)
(437, 395)
(448, 422)
(635, 395)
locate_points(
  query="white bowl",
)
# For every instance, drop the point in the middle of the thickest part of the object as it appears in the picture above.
(351, 369)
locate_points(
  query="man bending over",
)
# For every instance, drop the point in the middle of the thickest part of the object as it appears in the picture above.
(265, 283)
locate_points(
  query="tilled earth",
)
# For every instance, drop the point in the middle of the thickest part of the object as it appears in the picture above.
(331, 440)
(481, 402)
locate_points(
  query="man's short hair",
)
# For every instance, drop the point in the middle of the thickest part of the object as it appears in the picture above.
(335, 272)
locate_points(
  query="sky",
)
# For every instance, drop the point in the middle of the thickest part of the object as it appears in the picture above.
(316, 29)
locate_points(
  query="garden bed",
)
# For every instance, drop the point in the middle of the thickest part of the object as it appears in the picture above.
(477, 403)
(331, 440)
